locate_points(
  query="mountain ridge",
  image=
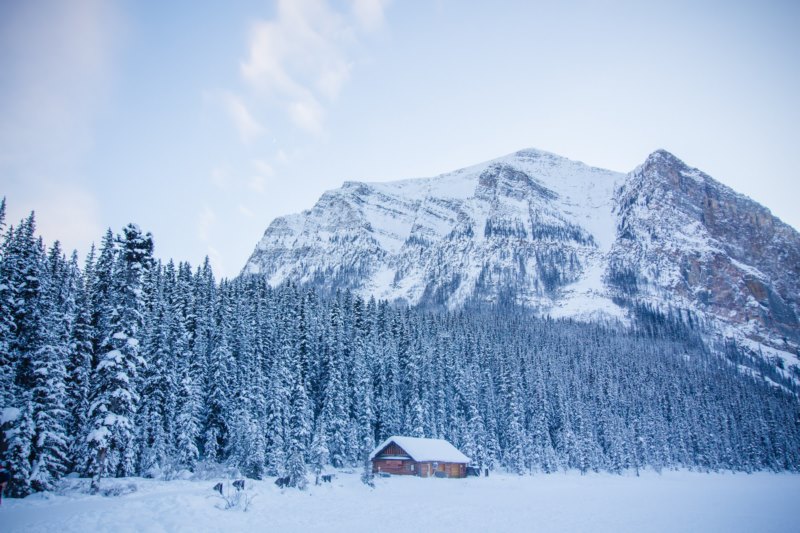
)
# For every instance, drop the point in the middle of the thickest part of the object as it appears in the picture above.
(555, 235)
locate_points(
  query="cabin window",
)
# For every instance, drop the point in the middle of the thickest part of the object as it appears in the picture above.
(411, 467)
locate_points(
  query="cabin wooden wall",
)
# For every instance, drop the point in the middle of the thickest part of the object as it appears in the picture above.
(398, 467)
(402, 467)
(454, 470)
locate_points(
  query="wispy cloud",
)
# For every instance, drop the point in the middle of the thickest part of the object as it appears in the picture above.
(300, 60)
(245, 211)
(248, 127)
(263, 168)
(369, 13)
(296, 65)
(257, 183)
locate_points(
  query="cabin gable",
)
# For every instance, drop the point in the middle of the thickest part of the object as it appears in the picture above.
(392, 451)
(393, 459)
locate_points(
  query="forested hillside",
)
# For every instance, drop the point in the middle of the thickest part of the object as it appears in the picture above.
(120, 365)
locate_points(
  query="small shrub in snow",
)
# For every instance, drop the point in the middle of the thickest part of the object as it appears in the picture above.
(234, 497)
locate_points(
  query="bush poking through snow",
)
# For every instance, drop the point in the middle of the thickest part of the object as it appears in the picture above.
(234, 497)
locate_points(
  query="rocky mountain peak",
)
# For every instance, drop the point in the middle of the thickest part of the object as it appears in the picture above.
(663, 157)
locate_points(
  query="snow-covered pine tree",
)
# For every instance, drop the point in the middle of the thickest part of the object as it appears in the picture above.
(516, 438)
(216, 409)
(115, 398)
(363, 393)
(187, 421)
(79, 365)
(293, 349)
(247, 445)
(277, 321)
(157, 387)
(334, 417)
(49, 450)
(388, 413)
(203, 290)
(542, 453)
(415, 410)
(23, 265)
(299, 430)
(318, 454)
(7, 326)
(21, 274)
(203, 296)
(189, 399)
(474, 438)
(101, 298)
(19, 433)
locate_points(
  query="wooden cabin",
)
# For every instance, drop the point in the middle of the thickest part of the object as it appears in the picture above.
(412, 456)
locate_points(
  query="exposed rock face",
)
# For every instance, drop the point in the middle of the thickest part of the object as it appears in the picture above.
(556, 235)
(694, 243)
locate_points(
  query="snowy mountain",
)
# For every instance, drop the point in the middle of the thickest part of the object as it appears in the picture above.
(558, 236)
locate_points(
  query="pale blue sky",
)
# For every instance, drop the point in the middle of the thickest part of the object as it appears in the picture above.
(202, 121)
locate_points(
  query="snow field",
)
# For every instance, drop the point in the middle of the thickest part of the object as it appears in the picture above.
(671, 501)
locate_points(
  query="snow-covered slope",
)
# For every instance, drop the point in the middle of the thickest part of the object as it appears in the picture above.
(557, 236)
(531, 226)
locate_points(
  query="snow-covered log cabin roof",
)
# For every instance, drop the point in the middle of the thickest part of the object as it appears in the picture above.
(422, 450)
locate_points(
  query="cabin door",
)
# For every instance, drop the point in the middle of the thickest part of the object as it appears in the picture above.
(455, 471)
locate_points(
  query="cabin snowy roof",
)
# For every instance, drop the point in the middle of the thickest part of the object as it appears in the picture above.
(425, 449)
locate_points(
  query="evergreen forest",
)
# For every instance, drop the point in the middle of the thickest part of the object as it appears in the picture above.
(118, 364)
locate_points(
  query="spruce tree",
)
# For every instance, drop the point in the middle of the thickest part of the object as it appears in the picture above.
(21, 274)
(7, 326)
(19, 434)
(334, 417)
(116, 398)
(217, 385)
(79, 366)
(49, 450)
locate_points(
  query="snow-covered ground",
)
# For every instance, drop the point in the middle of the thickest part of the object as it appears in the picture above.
(672, 501)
